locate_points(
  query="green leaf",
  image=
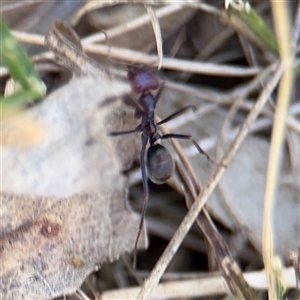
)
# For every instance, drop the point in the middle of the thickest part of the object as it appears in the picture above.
(21, 69)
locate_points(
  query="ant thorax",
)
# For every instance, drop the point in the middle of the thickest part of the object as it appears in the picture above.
(148, 102)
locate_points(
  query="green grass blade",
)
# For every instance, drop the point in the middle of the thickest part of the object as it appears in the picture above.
(256, 23)
(14, 57)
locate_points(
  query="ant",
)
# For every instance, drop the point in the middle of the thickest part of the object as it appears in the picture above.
(159, 164)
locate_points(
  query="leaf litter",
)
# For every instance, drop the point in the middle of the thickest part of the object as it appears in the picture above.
(231, 214)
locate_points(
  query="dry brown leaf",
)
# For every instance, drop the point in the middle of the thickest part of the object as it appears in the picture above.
(76, 215)
(52, 244)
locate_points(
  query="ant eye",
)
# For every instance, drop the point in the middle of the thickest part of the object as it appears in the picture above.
(160, 164)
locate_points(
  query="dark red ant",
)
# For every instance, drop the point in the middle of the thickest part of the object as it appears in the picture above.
(159, 163)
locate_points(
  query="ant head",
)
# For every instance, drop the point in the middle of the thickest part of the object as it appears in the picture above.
(160, 164)
(142, 79)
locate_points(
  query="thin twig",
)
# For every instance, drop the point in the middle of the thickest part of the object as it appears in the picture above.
(172, 63)
(199, 287)
(142, 58)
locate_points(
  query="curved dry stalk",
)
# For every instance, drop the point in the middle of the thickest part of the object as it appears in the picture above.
(188, 3)
(133, 24)
(283, 32)
(94, 5)
(157, 33)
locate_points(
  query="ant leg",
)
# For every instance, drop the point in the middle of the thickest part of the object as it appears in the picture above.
(116, 133)
(129, 100)
(158, 94)
(146, 196)
(186, 137)
(177, 113)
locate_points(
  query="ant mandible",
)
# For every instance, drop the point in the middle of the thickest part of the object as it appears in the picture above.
(159, 164)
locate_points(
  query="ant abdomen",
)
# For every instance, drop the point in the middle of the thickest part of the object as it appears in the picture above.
(160, 164)
(142, 79)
